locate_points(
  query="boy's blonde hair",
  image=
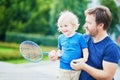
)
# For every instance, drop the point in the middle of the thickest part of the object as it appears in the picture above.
(72, 18)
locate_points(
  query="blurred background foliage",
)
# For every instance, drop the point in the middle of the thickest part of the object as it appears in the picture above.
(115, 14)
(40, 16)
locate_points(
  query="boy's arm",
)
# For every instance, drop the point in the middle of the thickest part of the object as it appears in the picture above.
(53, 55)
(85, 54)
(59, 53)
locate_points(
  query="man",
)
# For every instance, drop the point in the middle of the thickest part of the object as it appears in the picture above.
(104, 53)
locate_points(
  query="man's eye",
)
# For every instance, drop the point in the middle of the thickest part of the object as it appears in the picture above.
(89, 22)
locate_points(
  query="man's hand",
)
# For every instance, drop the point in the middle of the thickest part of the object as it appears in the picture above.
(77, 64)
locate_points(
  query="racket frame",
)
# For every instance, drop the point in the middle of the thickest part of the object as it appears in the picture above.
(28, 59)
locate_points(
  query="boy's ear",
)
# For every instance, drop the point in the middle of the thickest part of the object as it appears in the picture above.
(75, 25)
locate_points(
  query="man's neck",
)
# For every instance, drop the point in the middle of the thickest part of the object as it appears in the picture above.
(100, 36)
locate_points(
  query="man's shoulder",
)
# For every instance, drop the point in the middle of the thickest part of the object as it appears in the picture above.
(87, 37)
(111, 42)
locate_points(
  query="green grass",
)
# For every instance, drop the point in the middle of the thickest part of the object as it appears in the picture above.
(6, 49)
(17, 61)
(10, 53)
(20, 61)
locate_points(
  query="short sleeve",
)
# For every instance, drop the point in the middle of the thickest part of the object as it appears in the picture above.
(112, 53)
(59, 43)
(87, 37)
(83, 42)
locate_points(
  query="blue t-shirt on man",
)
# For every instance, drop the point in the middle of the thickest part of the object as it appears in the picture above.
(71, 49)
(105, 50)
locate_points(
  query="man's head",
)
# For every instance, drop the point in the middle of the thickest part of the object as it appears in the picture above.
(98, 19)
(102, 15)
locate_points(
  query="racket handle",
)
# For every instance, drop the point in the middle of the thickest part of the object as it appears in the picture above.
(45, 53)
(59, 55)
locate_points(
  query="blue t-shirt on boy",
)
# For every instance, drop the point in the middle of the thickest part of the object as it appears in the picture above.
(71, 49)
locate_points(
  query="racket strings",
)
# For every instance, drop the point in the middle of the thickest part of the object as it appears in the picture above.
(31, 51)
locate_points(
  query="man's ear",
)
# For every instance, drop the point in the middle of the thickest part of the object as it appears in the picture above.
(101, 25)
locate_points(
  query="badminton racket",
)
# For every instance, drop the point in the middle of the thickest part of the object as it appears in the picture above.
(31, 51)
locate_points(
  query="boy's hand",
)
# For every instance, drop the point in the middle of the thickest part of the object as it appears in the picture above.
(53, 55)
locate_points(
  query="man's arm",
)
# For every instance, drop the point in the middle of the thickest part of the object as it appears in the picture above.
(106, 73)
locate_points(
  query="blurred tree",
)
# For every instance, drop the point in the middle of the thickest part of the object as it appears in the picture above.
(119, 13)
(4, 18)
(76, 6)
(28, 16)
(115, 13)
(40, 16)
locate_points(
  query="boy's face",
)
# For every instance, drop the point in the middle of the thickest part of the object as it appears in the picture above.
(66, 28)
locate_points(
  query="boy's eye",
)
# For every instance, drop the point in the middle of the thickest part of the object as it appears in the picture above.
(61, 26)
(66, 25)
